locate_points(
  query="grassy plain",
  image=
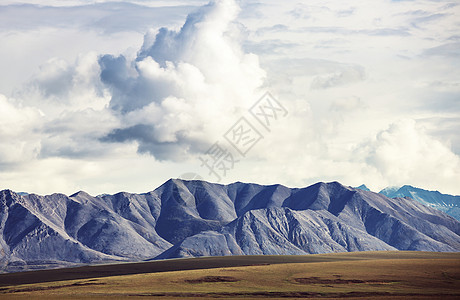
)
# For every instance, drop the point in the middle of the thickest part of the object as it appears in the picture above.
(358, 275)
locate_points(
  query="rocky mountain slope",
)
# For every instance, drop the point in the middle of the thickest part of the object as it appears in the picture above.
(197, 218)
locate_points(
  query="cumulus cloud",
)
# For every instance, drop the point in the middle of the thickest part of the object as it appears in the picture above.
(185, 87)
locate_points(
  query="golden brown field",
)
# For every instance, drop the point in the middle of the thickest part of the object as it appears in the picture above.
(361, 275)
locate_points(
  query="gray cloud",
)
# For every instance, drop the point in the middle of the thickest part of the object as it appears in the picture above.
(346, 12)
(346, 104)
(445, 128)
(272, 29)
(385, 31)
(76, 134)
(427, 18)
(56, 79)
(302, 11)
(448, 50)
(342, 76)
(455, 38)
(129, 92)
(105, 17)
(296, 66)
(147, 140)
(268, 46)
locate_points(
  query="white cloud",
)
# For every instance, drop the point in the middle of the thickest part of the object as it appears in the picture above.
(194, 82)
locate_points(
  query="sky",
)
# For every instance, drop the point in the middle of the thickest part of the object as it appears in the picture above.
(106, 96)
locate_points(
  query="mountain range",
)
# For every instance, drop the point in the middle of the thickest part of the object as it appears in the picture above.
(197, 218)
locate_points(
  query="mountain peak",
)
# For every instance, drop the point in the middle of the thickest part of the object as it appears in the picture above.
(7, 197)
(363, 187)
(81, 195)
(389, 190)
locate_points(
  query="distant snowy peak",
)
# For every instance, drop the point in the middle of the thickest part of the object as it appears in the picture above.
(389, 191)
(447, 203)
